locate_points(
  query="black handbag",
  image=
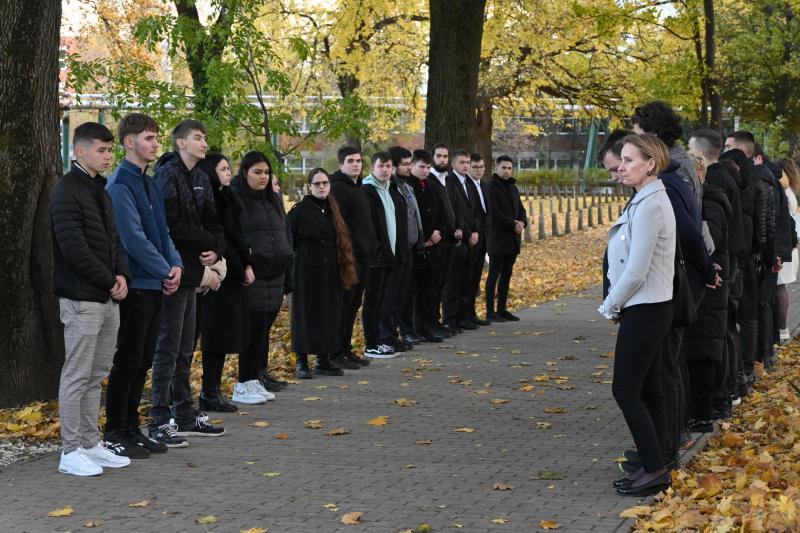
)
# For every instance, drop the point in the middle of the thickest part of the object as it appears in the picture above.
(684, 311)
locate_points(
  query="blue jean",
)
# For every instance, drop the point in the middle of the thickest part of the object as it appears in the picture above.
(172, 361)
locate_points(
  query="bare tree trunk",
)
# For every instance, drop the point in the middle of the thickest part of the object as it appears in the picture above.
(453, 64)
(710, 72)
(31, 335)
(702, 116)
(483, 132)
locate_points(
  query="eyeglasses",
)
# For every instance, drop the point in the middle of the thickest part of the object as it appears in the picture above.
(320, 183)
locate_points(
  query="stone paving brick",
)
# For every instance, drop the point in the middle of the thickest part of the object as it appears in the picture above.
(381, 471)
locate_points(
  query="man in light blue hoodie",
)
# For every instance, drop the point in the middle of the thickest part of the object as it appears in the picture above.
(156, 270)
(389, 218)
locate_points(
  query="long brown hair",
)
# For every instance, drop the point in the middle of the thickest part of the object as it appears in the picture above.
(791, 170)
(344, 246)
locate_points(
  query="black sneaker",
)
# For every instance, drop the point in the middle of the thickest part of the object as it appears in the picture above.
(199, 427)
(121, 444)
(148, 444)
(166, 434)
(508, 316)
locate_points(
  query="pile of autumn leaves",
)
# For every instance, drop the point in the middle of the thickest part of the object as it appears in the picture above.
(748, 477)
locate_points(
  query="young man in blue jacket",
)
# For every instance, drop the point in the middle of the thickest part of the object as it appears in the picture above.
(156, 269)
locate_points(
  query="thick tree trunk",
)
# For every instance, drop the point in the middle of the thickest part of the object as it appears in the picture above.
(453, 62)
(31, 338)
(710, 71)
(483, 132)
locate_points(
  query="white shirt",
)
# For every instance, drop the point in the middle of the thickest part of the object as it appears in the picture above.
(477, 183)
(440, 176)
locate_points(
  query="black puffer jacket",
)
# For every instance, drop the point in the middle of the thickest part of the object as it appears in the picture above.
(766, 214)
(705, 339)
(191, 214)
(747, 195)
(718, 176)
(87, 252)
(265, 228)
(354, 205)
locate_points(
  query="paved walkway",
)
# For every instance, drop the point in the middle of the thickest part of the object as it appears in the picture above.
(534, 395)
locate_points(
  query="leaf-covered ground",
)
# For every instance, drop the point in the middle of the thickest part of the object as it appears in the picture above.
(748, 477)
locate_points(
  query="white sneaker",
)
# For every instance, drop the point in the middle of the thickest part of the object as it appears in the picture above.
(102, 456)
(784, 334)
(242, 393)
(382, 351)
(259, 389)
(78, 464)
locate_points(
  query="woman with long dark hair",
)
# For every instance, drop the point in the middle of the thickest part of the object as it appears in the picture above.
(220, 326)
(266, 232)
(324, 267)
(790, 180)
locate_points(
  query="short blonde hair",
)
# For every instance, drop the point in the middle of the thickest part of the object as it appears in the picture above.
(651, 147)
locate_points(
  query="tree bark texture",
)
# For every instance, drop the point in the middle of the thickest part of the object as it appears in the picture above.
(483, 132)
(710, 72)
(453, 64)
(31, 335)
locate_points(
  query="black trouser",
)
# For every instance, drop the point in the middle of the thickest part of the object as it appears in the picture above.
(396, 298)
(500, 269)
(351, 302)
(373, 299)
(140, 322)
(703, 374)
(213, 364)
(445, 260)
(768, 282)
(477, 259)
(675, 390)
(452, 301)
(425, 302)
(748, 315)
(255, 353)
(405, 311)
(637, 378)
(733, 339)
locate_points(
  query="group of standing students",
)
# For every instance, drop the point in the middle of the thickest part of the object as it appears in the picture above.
(695, 275)
(145, 267)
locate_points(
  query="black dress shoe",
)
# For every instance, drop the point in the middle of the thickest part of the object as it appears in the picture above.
(214, 402)
(508, 316)
(431, 337)
(622, 482)
(263, 373)
(413, 338)
(325, 367)
(467, 325)
(661, 483)
(494, 317)
(440, 331)
(355, 358)
(631, 455)
(302, 371)
(478, 322)
(344, 362)
(629, 467)
(701, 426)
(451, 329)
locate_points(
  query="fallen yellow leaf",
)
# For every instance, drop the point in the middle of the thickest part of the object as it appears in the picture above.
(555, 410)
(143, 503)
(379, 421)
(254, 530)
(271, 474)
(259, 424)
(337, 431)
(499, 521)
(331, 507)
(210, 519)
(314, 424)
(282, 436)
(351, 519)
(502, 486)
(363, 382)
(424, 442)
(464, 430)
(498, 401)
(636, 511)
(549, 524)
(404, 402)
(64, 511)
(312, 399)
(93, 523)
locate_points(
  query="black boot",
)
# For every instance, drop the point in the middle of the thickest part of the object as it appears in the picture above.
(301, 369)
(326, 368)
(215, 402)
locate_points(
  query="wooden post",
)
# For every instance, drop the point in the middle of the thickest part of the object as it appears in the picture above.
(591, 217)
(554, 221)
(599, 215)
(542, 234)
(610, 213)
(580, 219)
(567, 223)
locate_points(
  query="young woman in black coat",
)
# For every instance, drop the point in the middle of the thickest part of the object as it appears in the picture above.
(266, 231)
(223, 310)
(324, 267)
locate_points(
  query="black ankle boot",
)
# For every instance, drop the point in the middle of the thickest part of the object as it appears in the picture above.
(215, 402)
(301, 369)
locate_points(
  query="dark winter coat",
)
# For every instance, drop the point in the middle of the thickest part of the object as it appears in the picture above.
(383, 256)
(699, 267)
(224, 309)
(764, 231)
(354, 205)
(705, 338)
(717, 176)
(506, 208)
(483, 218)
(266, 230)
(746, 183)
(785, 237)
(433, 212)
(191, 214)
(462, 206)
(87, 252)
(451, 225)
(317, 298)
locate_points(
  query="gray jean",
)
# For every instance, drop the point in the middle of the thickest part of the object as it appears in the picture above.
(90, 334)
(172, 361)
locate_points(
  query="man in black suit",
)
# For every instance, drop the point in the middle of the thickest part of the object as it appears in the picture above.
(479, 192)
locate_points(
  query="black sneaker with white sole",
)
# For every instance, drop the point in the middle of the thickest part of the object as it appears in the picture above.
(121, 444)
(200, 427)
(148, 444)
(166, 434)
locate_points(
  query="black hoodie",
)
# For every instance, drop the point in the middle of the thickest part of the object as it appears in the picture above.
(355, 208)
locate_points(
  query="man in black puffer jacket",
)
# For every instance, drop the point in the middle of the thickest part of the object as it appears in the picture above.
(354, 205)
(199, 238)
(90, 275)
